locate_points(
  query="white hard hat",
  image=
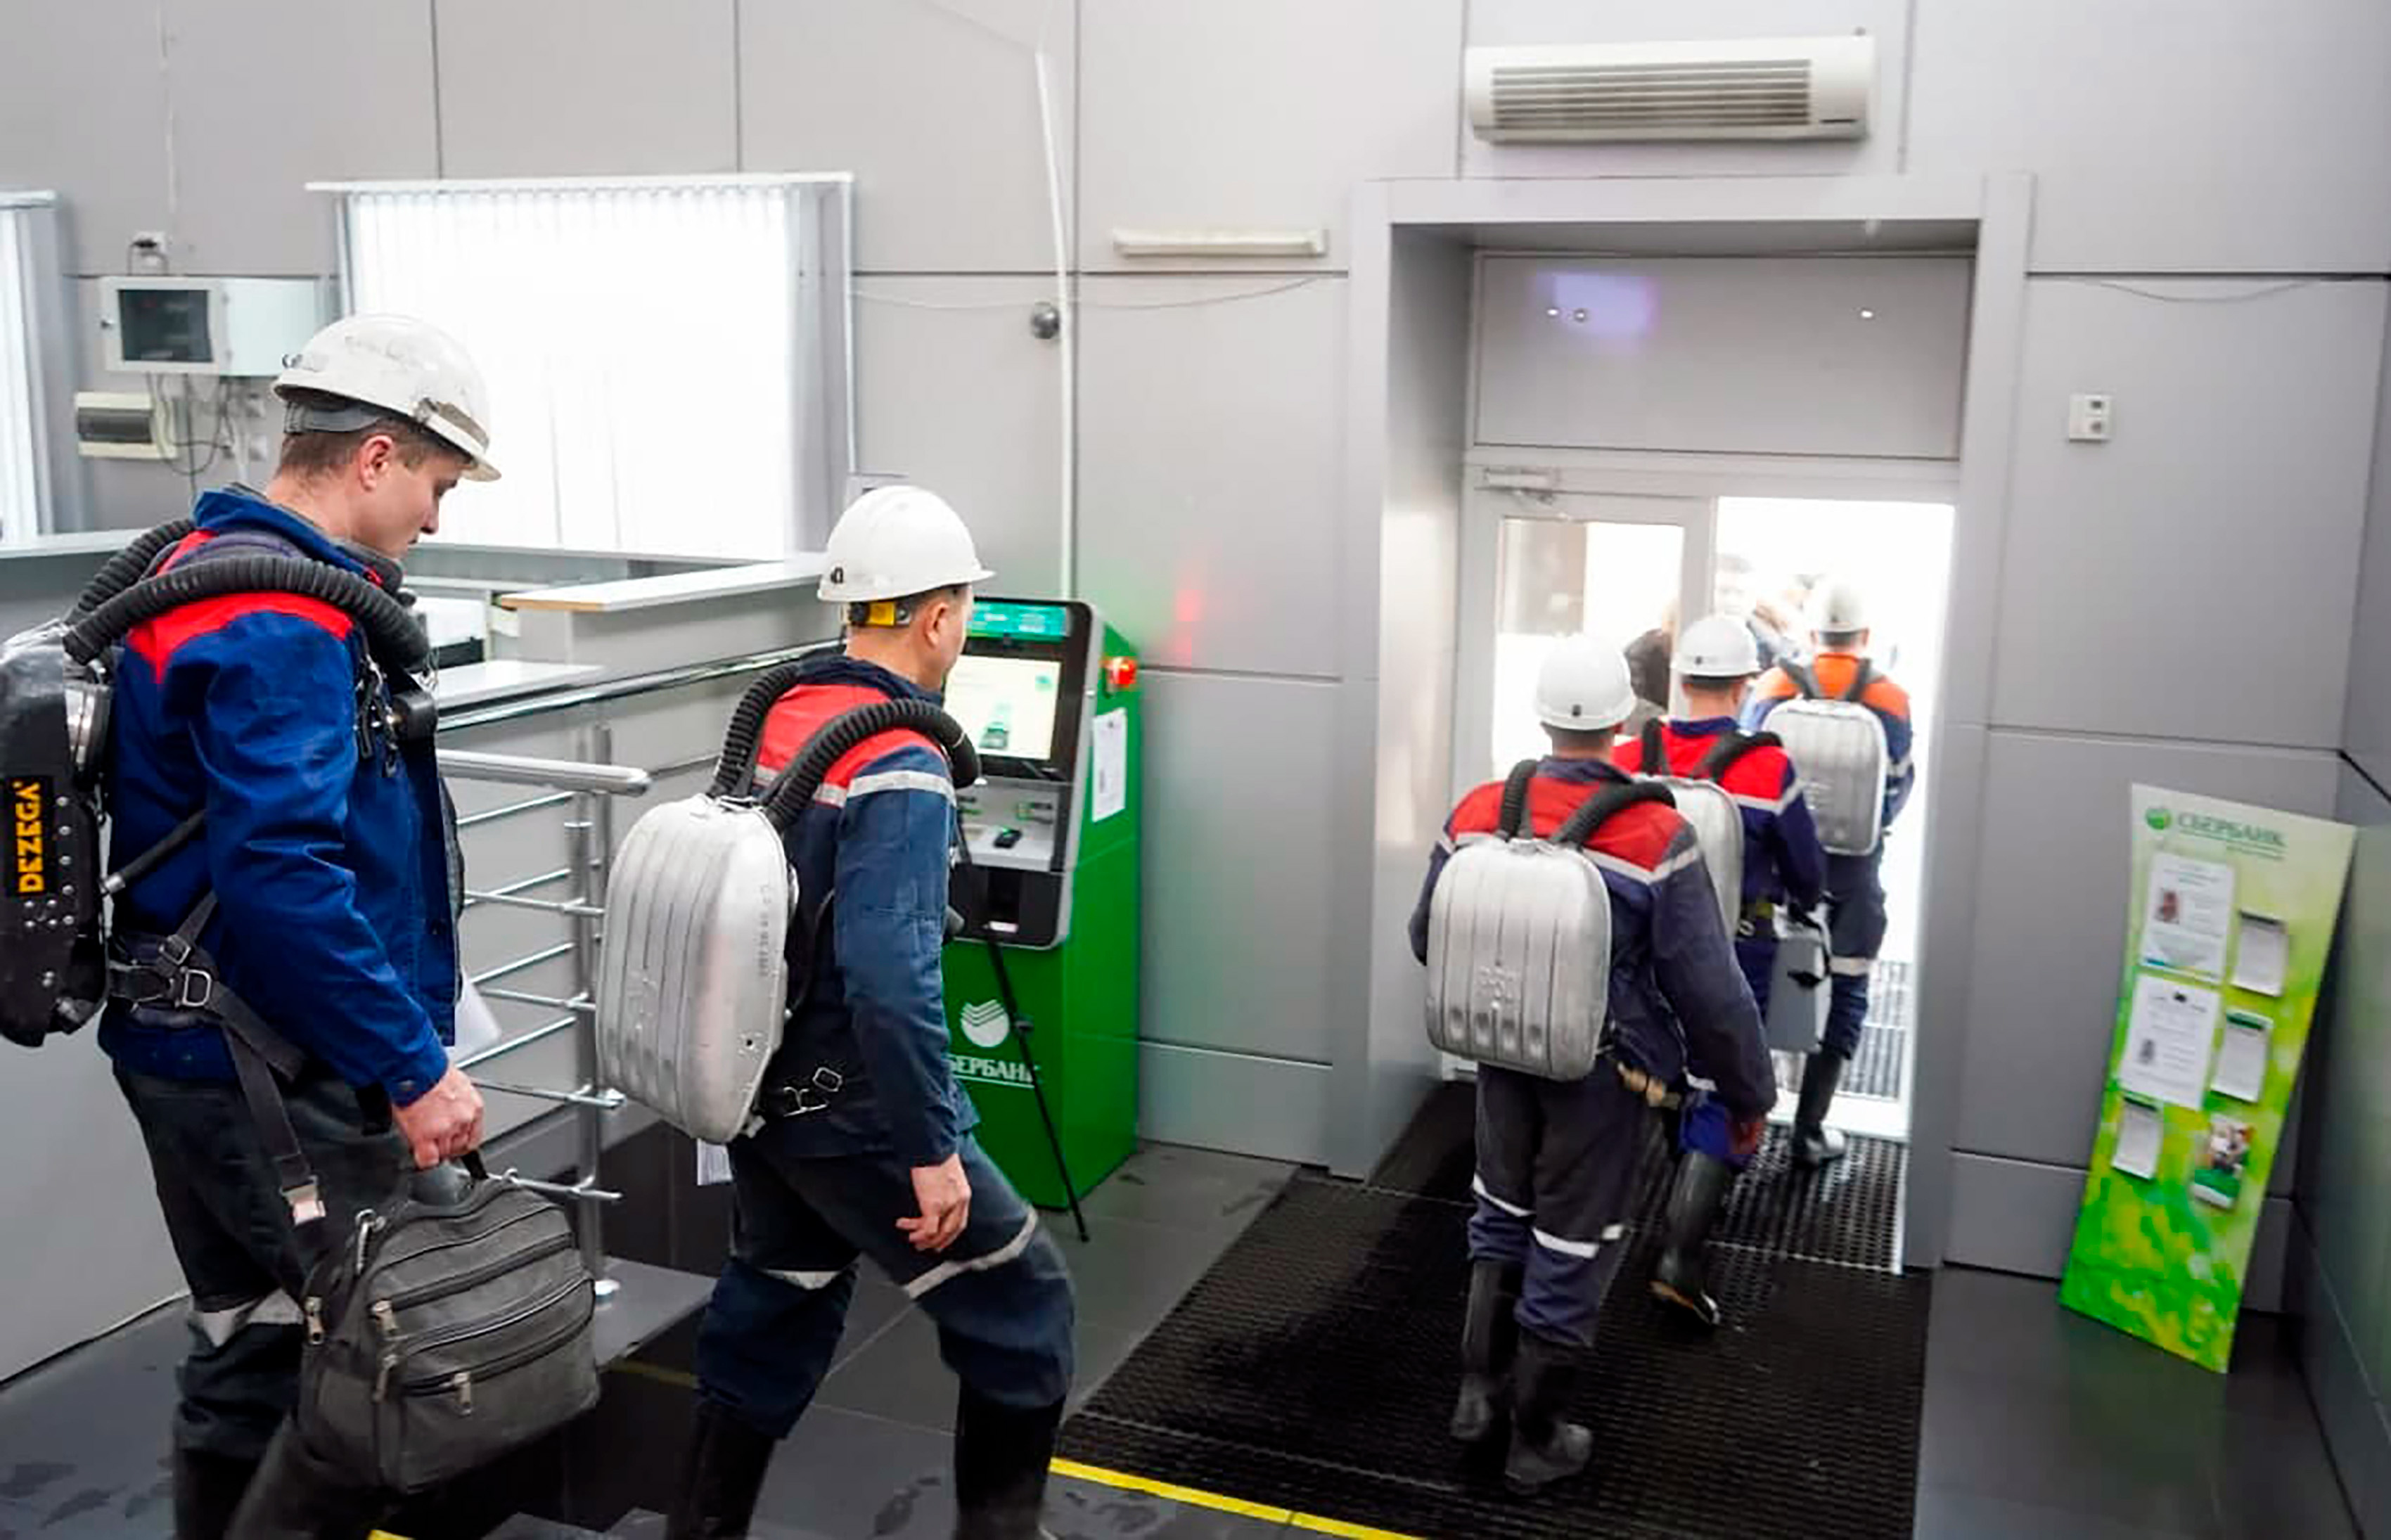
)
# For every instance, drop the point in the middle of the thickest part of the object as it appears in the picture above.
(403, 368)
(894, 542)
(1583, 687)
(1838, 608)
(1716, 647)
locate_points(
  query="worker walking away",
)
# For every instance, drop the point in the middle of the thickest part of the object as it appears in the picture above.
(1857, 785)
(1557, 1158)
(864, 1147)
(1782, 864)
(318, 892)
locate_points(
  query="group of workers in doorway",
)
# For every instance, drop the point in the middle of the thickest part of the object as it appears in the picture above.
(329, 846)
(1556, 1161)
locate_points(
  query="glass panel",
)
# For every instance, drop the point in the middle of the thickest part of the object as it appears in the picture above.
(1557, 577)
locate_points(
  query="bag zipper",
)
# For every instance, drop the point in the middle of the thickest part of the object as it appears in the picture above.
(508, 1224)
(483, 1328)
(385, 1310)
(461, 1380)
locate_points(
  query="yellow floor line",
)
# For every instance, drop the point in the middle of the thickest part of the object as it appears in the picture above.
(1199, 1497)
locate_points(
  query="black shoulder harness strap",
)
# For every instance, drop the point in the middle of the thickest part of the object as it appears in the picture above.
(1730, 749)
(1656, 758)
(1599, 808)
(1515, 799)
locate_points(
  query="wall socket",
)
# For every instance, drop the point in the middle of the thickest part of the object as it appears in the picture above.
(2088, 418)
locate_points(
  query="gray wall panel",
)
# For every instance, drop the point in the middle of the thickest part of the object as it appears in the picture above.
(1208, 436)
(1860, 357)
(1238, 803)
(1230, 1102)
(2343, 1195)
(934, 107)
(2357, 1429)
(1253, 114)
(964, 400)
(2049, 921)
(82, 112)
(1514, 22)
(271, 95)
(2020, 1217)
(2193, 578)
(2141, 167)
(582, 87)
(2366, 736)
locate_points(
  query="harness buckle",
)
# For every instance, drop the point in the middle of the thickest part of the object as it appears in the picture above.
(193, 987)
(803, 1101)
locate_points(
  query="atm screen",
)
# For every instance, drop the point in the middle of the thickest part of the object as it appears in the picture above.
(1006, 702)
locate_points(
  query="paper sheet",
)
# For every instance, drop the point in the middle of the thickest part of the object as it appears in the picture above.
(2242, 1062)
(2188, 915)
(1111, 768)
(2168, 1038)
(2265, 955)
(713, 1164)
(2139, 1129)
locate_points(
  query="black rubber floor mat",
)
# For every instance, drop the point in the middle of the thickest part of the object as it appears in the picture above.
(1848, 1214)
(1314, 1367)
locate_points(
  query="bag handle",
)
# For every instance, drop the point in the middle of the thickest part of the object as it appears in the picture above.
(1597, 809)
(1861, 678)
(1515, 799)
(1804, 680)
(1656, 759)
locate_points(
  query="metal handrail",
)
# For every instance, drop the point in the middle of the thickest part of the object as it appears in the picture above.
(524, 769)
(622, 689)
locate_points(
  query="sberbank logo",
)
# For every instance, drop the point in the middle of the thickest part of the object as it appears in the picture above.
(2158, 818)
(985, 1024)
(2253, 837)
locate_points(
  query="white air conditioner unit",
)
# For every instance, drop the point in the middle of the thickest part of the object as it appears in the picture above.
(1761, 89)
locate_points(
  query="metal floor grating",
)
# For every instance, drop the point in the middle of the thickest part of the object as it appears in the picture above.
(1847, 1215)
(1314, 1365)
(1876, 1070)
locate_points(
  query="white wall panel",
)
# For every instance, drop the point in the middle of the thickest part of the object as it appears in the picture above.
(1239, 799)
(271, 95)
(2049, 921)
(1256, 114)
(2193, 578)
(2196, 136)
(82, 112)
(935, 108)
(1209, 430)
(1508, 23)
(1860, 357)
(953, 392)
(586, 87)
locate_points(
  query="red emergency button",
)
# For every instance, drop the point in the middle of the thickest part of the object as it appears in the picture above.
(1120, 673)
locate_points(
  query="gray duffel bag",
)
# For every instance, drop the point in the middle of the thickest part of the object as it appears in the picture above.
(442, 1335)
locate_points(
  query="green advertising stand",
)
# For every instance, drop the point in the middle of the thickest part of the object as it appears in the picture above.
(2231, 918)
(1050, 694)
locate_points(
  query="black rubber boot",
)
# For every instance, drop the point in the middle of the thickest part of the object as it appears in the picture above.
(1489, 1333)
(1813, 1143)
(1696, 1197)
(1002, 1453)
(727, 1462)
(1546, 1447)
(207, 1492)
(297, 1494)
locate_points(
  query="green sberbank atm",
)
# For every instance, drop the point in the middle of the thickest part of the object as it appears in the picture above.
(1049, 693)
